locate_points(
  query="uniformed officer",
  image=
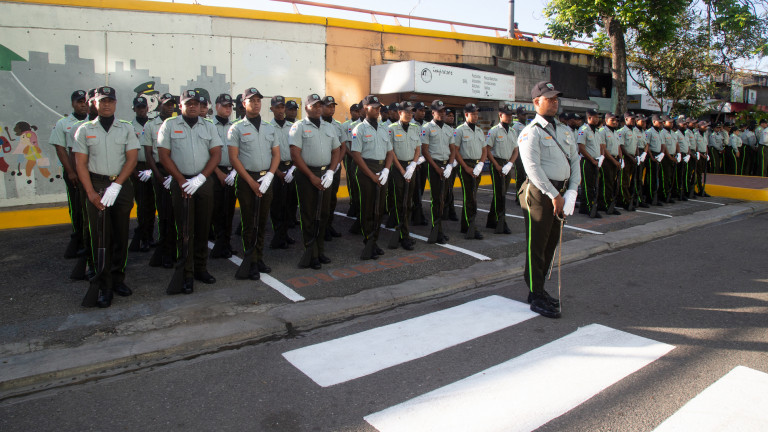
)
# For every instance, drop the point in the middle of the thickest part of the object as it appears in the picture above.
(592, 157)
(329, 109)
(283, 187)
(501, 143)
(628, 141)
(701, 158)
(749, 139)
(471, 154)
(384, 112)
(354, 116)
(521, 119)
(291, 113)
(653, 172)
(224, 184)
(420, 175)
(762, 141)
(372, 151)
(106, 152)
(190, 149)
(450, 210)
(143, 235)
(406, 144)
(692, 161)
(670, 150)
(643, 151)
(58, 140)
(552, 167)
(681, 169)
(239, 108)
(205, 101)
(315, 150)
(161, 183)
(606, 139)
(733, 154)
(254, 151)
(436, 139)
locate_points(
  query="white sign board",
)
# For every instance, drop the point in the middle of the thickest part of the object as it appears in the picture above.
(420, 77)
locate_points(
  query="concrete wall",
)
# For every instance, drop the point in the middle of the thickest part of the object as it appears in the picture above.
(61, 49)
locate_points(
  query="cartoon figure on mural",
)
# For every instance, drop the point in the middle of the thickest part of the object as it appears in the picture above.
(28, 152)
(147, 90)
(5, 145)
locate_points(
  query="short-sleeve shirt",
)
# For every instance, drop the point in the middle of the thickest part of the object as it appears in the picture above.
(63, 127)
(543, 159)
(681, 140)
(627, 140)
(105, 150)
(315, 143)
(438, 139)
(716, 141)
(281, 136)
(763, 137)
(371, 143)
(223, 129)
(405, 143)
(668, 140)
(138, 128)
(735, 142)
(470, 142)
(701, 142)
(255, 145)
(190, 147)
(501, 142)
(639, 138)
(748, 138)
(653, 138)
(586, 136)
(339, 129)
(149, 136)
(605, 136)
(347, 128)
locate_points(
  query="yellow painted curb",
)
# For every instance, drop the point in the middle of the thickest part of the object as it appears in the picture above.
(737, 193)
(60, 215)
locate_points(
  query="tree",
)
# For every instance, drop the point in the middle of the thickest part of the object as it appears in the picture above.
(651, 22)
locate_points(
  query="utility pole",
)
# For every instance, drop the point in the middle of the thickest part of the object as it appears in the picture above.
(511, 19)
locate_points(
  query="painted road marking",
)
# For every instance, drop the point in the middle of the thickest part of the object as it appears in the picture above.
(518, 395)
(652, 213)
(364, 353)
(491, 190)
(735, 402)
(270, 281)
(708, 202)
(476, 255)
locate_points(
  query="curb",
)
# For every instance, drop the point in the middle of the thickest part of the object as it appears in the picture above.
(41, 370)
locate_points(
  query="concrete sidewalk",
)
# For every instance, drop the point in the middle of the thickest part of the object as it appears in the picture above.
(176, 328)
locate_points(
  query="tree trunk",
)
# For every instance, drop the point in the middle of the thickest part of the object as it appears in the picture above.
(619, 61)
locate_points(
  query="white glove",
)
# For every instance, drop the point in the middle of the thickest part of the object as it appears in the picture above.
(420, 160)
(687, 158)
(289, 174)
(230, 179)
(410, 170)
(570, 202)
(639, 161)
(447, 171)
(455, 163)
(167, 182)
(265, 181)
(145, 175)
(677, 157)
(110, 195)
(383, 175)
(660, 157)
(338, 167)
(698, 156)
(327, 179)
(707, 157)
(506, 168)
(600, 161)
(478, 169)
(193, 184)
(643, 156)
(622, 164)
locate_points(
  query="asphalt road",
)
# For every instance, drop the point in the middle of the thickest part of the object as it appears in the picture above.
(703, 292)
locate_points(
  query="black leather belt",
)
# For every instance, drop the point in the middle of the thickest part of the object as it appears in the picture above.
(560, 185)
(320, 168)
(374, 161)
(103, 177)
(225, 168)
(286, 163)
(257, 173)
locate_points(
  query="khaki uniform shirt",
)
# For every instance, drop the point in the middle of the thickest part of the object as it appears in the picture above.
(763, 137)
(501, 142)
(316, 143)
(281, 136)
(586, 136)
(371, 143)
(653, 138)
(63, 127)
(748, 138)
(255, 145)
(190, 147)
(639, 138)
(716, 141)
(138, 129)
(701, 142)
(668, 140)
(405, 143)
(149, 136)
(543, 158)
(470, 142)
(438, 140)
(681, 140)
(105, 150)
(627, 140)
(735, 142)
(223, 129)
(605, 136)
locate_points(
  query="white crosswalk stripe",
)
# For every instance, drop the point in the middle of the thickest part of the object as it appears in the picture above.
(736, 402)
(517, 395)
(364, 353)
